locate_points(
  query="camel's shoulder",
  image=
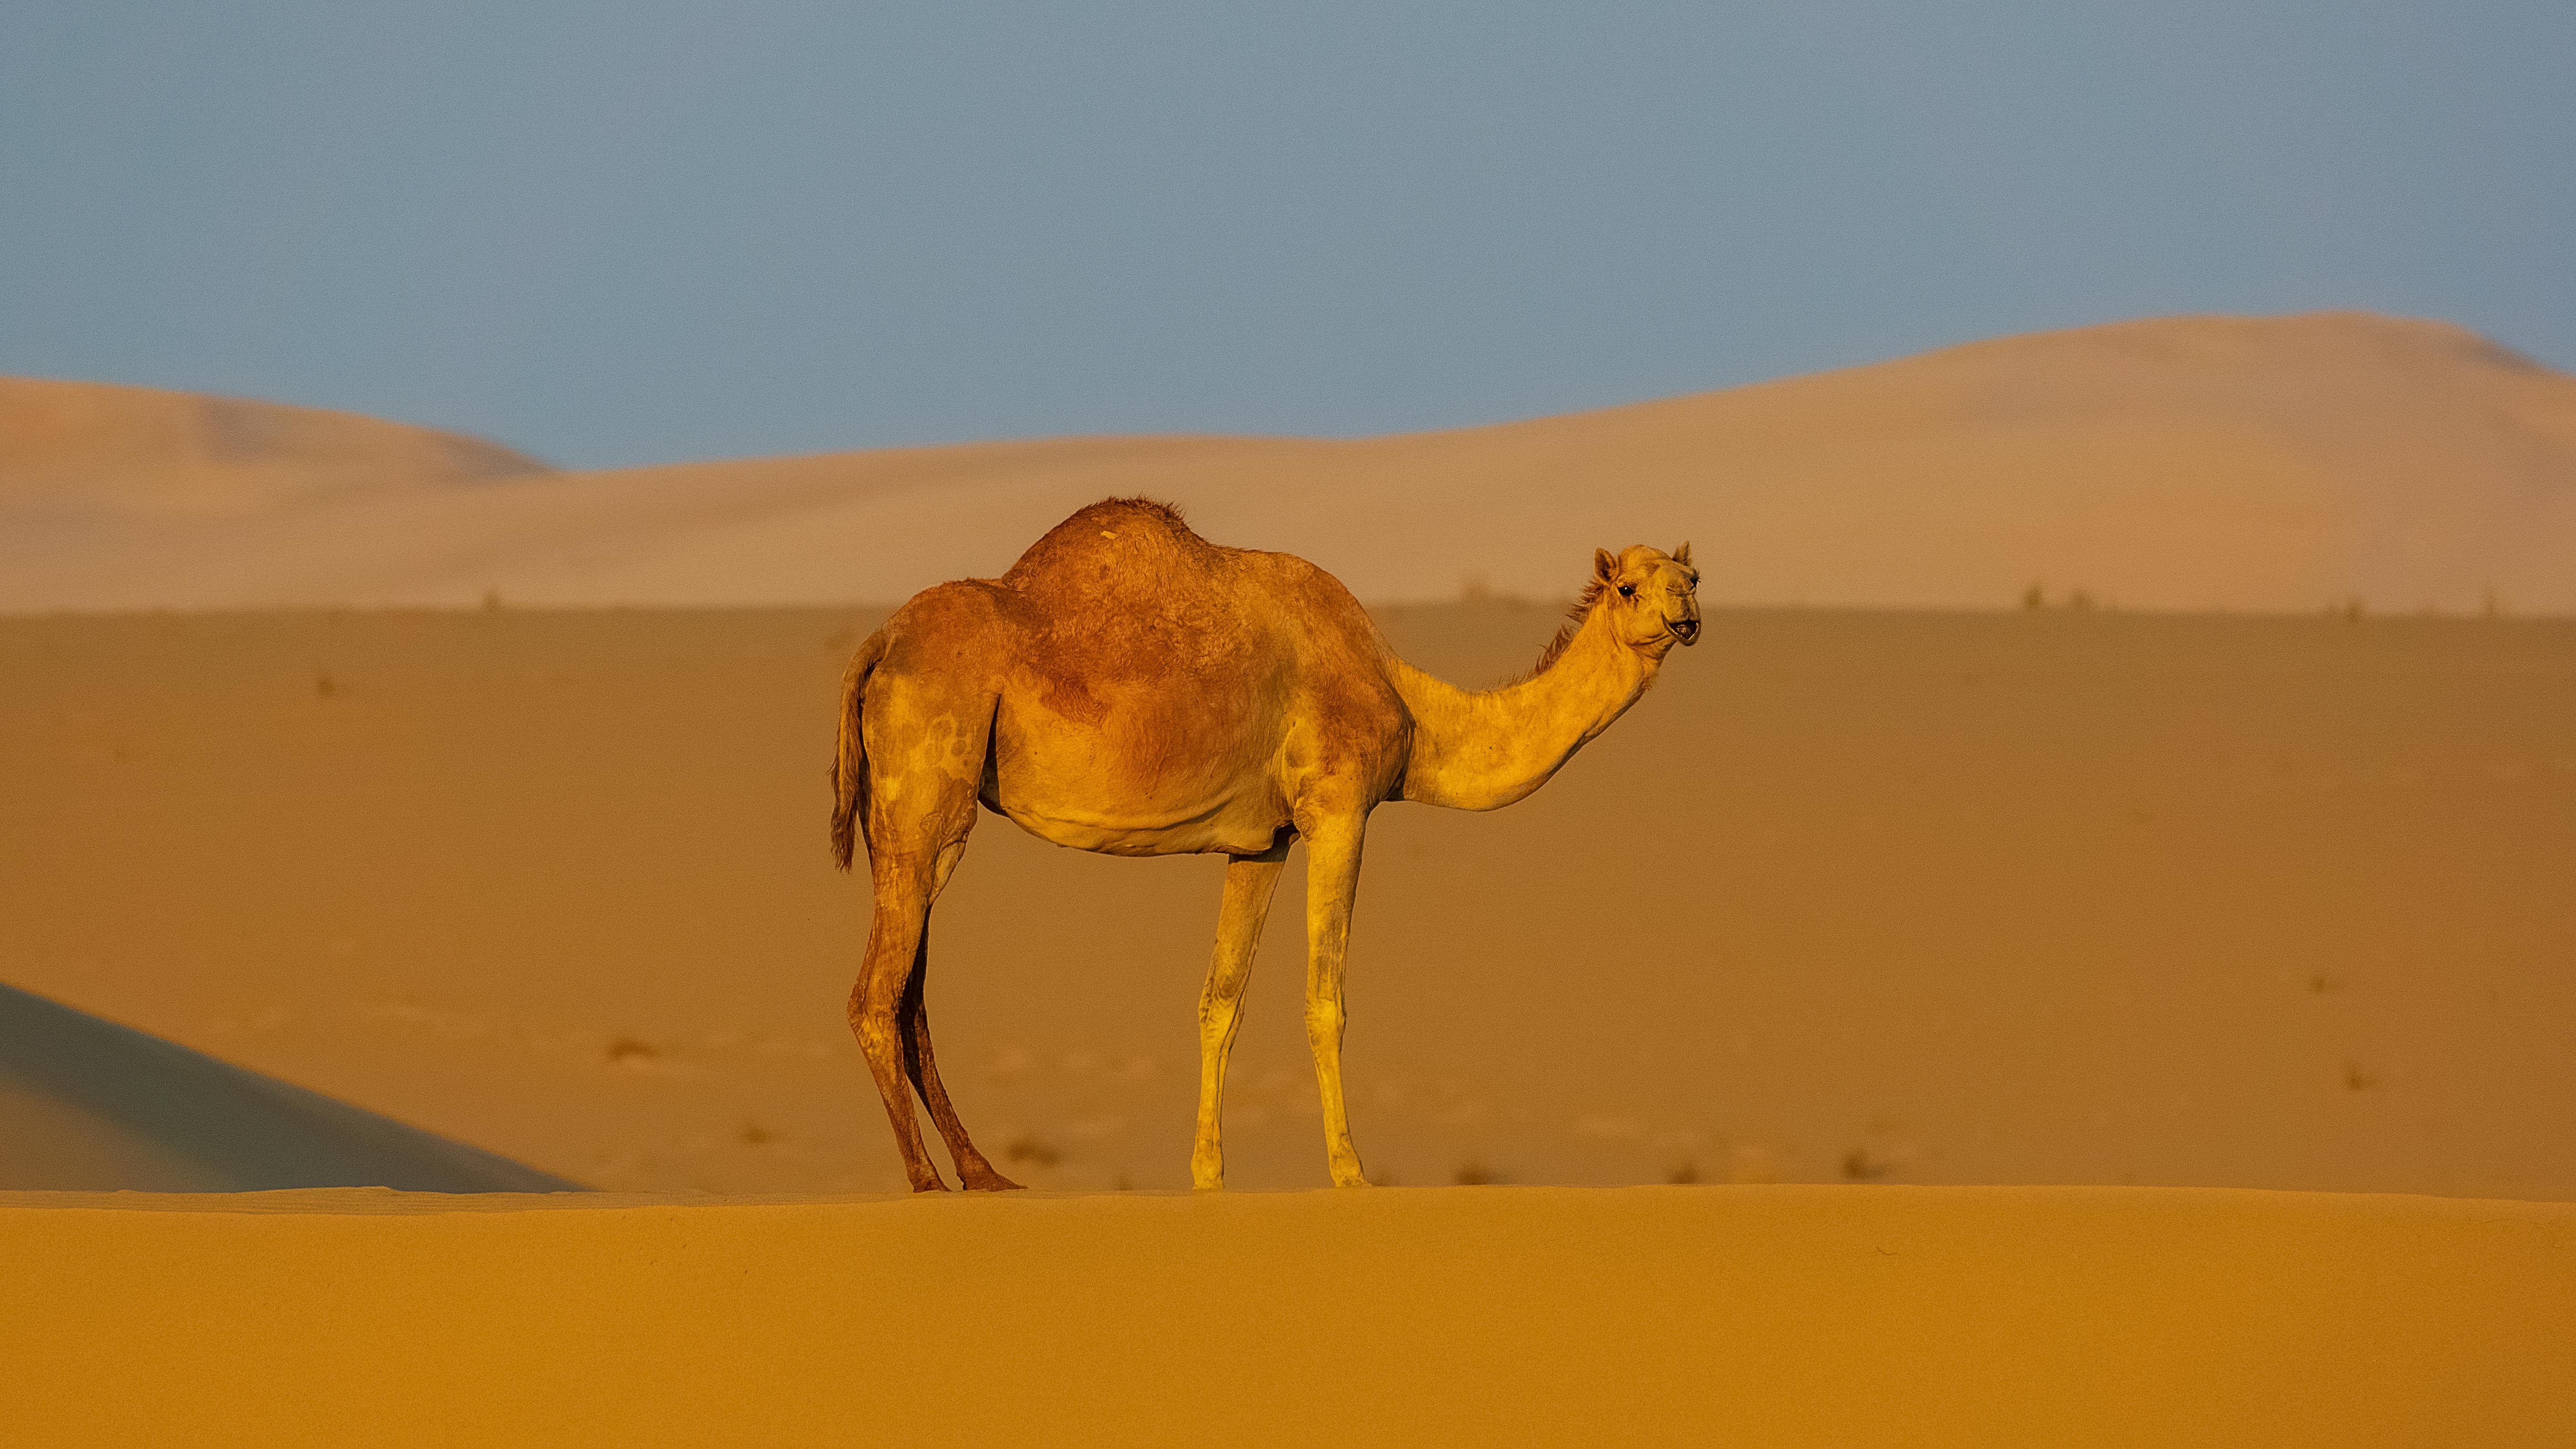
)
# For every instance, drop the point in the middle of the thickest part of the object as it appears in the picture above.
(1294, 587)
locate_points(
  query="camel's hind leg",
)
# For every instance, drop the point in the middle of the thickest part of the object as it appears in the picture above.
(903, 891)
(926, 741)
(973, 1171)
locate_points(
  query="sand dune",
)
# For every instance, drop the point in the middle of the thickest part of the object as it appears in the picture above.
(88, 1104)
(2183, 463)
(2052, 897)
(1776, 1316)
(73, 452)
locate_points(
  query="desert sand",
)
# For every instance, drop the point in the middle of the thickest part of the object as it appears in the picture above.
(2178, 463)
(1656, 1315)
(2044, 897)
(1965, 1023)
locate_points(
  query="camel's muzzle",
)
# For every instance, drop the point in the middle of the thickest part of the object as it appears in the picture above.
(1686, 630)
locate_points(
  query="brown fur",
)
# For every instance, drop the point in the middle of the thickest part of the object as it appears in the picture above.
(850, 752)
(1130, 688)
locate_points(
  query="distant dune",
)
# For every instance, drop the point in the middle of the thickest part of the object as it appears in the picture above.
(78, 451)
(87, 1104)
(2185, 463)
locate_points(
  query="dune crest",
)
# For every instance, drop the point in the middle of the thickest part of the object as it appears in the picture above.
(2287, 463)
(85, 450)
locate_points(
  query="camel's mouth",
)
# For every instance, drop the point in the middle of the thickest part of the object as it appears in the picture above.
(1686, 630)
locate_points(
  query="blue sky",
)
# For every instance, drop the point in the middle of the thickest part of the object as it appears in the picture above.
(637, 232)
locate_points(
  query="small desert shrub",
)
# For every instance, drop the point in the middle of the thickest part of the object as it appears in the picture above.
(1031, 1150)
(1860, 1166)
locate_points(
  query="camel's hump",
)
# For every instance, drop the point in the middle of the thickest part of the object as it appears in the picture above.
(1137, 537)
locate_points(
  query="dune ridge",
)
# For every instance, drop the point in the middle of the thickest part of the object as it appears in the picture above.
(2289, 463)
(89, 451)
(1773, 1315)
(88, 1104)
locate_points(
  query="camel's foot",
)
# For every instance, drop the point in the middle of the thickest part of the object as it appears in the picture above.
(985, 1179)
(928, 1183)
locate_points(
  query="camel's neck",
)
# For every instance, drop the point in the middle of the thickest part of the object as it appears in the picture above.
(1481, 750)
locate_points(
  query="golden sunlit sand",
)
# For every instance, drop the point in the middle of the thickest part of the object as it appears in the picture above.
(2221, 931)
(1777, 1316)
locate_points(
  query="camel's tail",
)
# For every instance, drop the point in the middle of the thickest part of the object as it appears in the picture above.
(850, 757)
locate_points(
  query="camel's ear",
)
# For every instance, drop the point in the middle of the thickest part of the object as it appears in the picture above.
(1605, 566)
(1681, 555)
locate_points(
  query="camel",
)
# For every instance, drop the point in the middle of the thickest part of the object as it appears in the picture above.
(1130, 688)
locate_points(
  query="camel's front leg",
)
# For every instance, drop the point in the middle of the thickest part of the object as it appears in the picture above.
(1249, 882)
(1332, 879)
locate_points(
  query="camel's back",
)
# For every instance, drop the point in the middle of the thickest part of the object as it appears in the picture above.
(1119, 555)
(1128, 565)
(1124, 593)
(1152, 685)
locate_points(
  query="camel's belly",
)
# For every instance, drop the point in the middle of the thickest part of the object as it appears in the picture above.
(1225, 827)
(1172, 774)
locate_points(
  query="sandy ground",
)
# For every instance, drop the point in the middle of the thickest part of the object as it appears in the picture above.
(1858, 902)
(2176, 463)
(1776, 1316)
(2053, 897)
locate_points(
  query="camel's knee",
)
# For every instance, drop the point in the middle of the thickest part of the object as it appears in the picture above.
(867, 1001)
(1217, 1011)
(874, 1023)
(1324, 1023)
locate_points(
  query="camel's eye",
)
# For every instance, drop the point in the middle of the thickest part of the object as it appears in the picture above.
(1627, 591)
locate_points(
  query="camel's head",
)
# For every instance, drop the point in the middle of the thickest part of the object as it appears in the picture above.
(1652, 596)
